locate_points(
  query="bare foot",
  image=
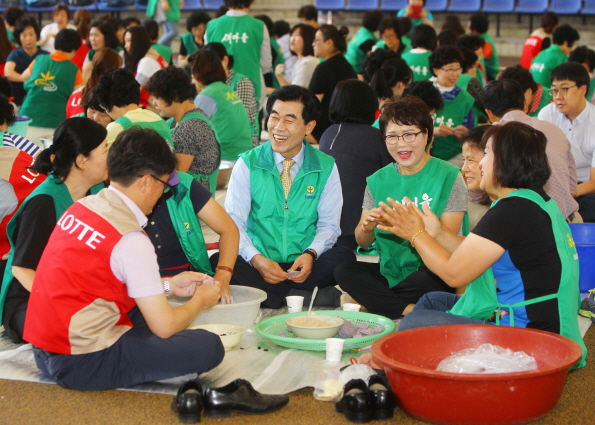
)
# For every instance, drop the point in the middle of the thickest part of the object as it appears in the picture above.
(408, 309)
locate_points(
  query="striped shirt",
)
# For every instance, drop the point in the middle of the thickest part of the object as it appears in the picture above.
(16, 141)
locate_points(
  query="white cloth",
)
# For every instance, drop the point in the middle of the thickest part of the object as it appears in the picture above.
(145, 69)
(580, 133)
(48, 30)
(303, 70)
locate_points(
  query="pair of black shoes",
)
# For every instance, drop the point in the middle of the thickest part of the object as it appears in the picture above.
(362, 403)
(237, 396)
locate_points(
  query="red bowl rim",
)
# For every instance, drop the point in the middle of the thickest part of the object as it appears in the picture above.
(386, 362)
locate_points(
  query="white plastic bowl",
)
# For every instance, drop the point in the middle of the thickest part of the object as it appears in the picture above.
(242, 313)
(230, 334)
(313, 331)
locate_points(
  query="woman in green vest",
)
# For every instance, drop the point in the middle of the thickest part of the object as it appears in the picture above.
(392, 287)
(75, 163)
(362, 42)
(523, 239)
(391, 35)
(194, 39)
(196, 147)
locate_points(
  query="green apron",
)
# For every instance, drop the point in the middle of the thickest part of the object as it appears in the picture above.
(452, 114)
(419, 64)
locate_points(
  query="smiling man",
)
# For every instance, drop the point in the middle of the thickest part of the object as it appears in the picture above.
(285, 197)
(576, 117)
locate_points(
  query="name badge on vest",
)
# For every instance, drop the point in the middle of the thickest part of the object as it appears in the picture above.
(310, 192)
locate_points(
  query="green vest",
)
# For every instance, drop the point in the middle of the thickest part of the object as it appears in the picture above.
(452, 115)
(234, 83)
(492, 64)
(159, 126)
(186, 225)
(242, 36)
(279, 60)
(231, 122)
(281, 229)
(433, 184)
(174, 10)
(545, 62)
(354, 55)
(480, 299)
(188, 41)
(406, 41)
(591, 90)
(419, 64)
(164, 51)
(48, 89)
(463, 81)
(211, 178)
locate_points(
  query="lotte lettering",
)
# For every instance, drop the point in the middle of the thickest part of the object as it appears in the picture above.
(69, 223)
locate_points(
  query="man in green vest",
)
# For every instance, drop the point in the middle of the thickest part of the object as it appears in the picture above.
(286, 200)
(118, 93)
(564, 38)
(479, 25)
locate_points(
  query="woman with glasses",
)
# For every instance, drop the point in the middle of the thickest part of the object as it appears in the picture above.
(456, 117)
(75, 163)
(392, 287)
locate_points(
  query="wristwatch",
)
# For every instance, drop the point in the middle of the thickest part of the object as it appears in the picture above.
(166, 287)
(311, 252)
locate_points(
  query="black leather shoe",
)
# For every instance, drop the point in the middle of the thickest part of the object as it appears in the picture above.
(188, 402)
(355, 403)
(239, 396)
(382, 399)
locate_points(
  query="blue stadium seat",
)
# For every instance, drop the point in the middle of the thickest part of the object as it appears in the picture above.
(468, 6)
(531, 7)
(393, 4)
(141, 4)
(566, 7)
(114, 6)
(40, 6)
(436, 5)
(589, 7)
(195, 5)
(91, 6)
(498, 7)
(362, 4)
(329, 4)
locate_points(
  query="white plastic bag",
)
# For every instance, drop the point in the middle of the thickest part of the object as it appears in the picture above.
(331, 388)
(487, 358)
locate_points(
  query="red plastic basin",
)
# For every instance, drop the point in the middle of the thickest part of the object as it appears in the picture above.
(410, 359)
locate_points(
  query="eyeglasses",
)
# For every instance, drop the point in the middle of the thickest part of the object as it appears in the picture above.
(563, 91)
(393, 139)
(452, 71)
(167, 187)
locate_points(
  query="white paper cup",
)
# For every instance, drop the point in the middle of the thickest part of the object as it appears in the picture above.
(351, 307)
(295, 303)
(334, 349)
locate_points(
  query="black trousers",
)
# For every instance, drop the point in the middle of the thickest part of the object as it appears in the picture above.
(15, 310)
(321, 276)
(364, 282)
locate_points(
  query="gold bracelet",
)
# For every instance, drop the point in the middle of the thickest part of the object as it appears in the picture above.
(415, 236)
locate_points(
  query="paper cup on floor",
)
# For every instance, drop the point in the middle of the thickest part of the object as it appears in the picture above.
(334, 349)
(351, 307)
(295, 303)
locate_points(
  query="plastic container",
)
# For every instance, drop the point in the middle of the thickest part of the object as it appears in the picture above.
(242, 313)
(230, 334)
(20, 126)
(410, 359)
(584, 238)
(313, 331)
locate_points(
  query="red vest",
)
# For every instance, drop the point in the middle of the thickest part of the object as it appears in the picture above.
(531, 49)
(77, 304)
(14, 168)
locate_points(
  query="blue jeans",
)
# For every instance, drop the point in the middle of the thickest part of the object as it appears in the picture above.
(170, 31)
(431, 310)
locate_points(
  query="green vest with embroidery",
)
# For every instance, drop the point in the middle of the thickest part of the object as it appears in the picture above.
(354, 55)
(211, 178)
(544, 63)
(432, 184)
(186, 225)
(281, 229)
(452, 114)
(159, 126)
(419, 64)
(234, 83)
(188, 41)
(164, 51)
(231, 122)
(173, 15)
(481, 300)
(242, 37)
(48, 89)
(492, 64)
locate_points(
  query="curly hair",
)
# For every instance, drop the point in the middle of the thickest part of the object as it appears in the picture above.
(196, 19)
(408, 110)
(117, 87)
(7, 115)
(445, 55)
(170, 84)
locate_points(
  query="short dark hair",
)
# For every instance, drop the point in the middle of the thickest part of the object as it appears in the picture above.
(479, 22)
(140, 43)
(197, 18)
(571, 71)
(5, 86)
(221, 51)
(67, 40)
(409, 110)
(312, 109)
(280, 28)
(74, 136)
(447, 38)
(308, 12)
(131, 20)
(170, 84)
(405, 23)
(583, 55)
(152, 28)
(12, 15)
(520, 161)
(207, 67)
(373, 62)
(424, 36)
(391, 72)
(565, 33)
(21, 24)
(443, 56)
(503, 95)
(453, 23)
(520, 75)
(338, 35)
(110, 38)
(138, 151)
(353, 101)
(548, 21)
(474, 136)
(469, 59)
(92, 101)
(238, 4)
(426, 91)
(60, 8)
(268, 22)
(7, 115)
(117, 87)
(471, 42)
(372, 19)
(308, 34)
(390, 23)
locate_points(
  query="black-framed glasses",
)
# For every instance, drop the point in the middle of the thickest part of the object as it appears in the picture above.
(563, 91)
(166, 186)
(393, 139)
